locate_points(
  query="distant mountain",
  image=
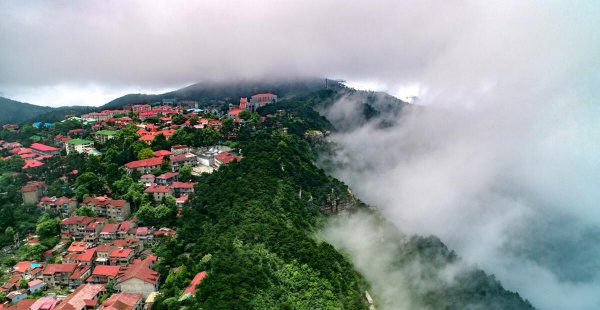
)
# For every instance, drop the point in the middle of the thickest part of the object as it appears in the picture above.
(214, 92)
(17, 112)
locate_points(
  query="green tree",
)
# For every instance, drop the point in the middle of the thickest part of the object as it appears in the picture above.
(85, 211)
(9, 232)
(88, 183)
(23, 284)
(185, 173)
(47, 226)
(178, 119)
(145, 153)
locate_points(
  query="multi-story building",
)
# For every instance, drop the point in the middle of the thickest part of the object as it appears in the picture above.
(177, 161)
(114, 209)
(58, 274)
(61, 206)
(78, 146)
(32, 192)
(145, 165)
(104, 135)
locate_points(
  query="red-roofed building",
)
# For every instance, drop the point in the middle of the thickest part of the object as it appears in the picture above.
(234, 113)
(124, 228)
(165, 232)
(263, 98)
(115, 209)
(145, 165)
(177, 161)
(87, 257)
(130, 242)
(35, 286)
(162, 153)
(147, 179)
(183, 188)
(102, 274)
(22, 304)
(84, 297)
(147, 138)
(45, 303)
(21, 267)
(120, 257)
(138, 278)
(123, 301)
(159, 191)
(32, 163)
(109, 232)
(58, 274)
(62, 206)
(43, 149)
(76, 226)
(191, 289)
(166, 178)
(78, 247)
(80, 274)
(226, 158)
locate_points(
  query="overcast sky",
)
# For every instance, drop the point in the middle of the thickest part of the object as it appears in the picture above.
(87, 52)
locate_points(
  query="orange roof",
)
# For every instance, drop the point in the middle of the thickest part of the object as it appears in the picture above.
(77, 246)
(87, 255)
(58, 268)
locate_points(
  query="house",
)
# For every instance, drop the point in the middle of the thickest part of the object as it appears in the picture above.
(32, 163)
(103, 274)
(123, 301)
(177, 161)
(11, 284)
(114, 209)
(109, 232)
(180, 201)
(140, 107)
(78, 146)
(80, 226)
(78, 247)
(165, 232)
(58, 274)
(162, 153)
(87, 257)
(104, 135)
(180, 149)
(191, 289)
(226, 158)
(183, 188)
(145, 165)
(43, 149)
(138, 278)
(166, 178)
(144, 234)
(84, 297)
(35, 285)
(32, 192)
(260, 100)
(102, 253)
(120, 257)
(92, 231)
(130, 242)
(16, 296)
(45, 303)
(147, 179)
(159, 191)
(124, 228)
(79, 275)
(62, 206)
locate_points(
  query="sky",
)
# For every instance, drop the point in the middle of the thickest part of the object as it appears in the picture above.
(502, 165)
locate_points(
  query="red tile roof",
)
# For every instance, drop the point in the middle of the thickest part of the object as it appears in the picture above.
(104, 200)
(108, 271)
(77, 220)
(22, 267)
(162, 153)
(51, 269)
(191, 289)
(125, 225)
(227, 157)
(79, 272)
(168, 175)
(120, 253)
(158, 189)
(183, 184)
(44, 148)
(77, 246)
(81, 297)
(139, 270)
(109, 229)
(87, 255)
(32, 164)
(154, 161)
(122, 301)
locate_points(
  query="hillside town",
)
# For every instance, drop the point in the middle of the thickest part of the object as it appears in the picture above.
(103, 208)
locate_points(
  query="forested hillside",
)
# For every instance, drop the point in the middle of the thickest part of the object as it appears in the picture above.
(254, 227)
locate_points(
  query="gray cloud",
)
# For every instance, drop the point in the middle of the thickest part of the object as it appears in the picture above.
(157, 44)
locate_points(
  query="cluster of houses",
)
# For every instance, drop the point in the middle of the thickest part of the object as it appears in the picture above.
(110, 247)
